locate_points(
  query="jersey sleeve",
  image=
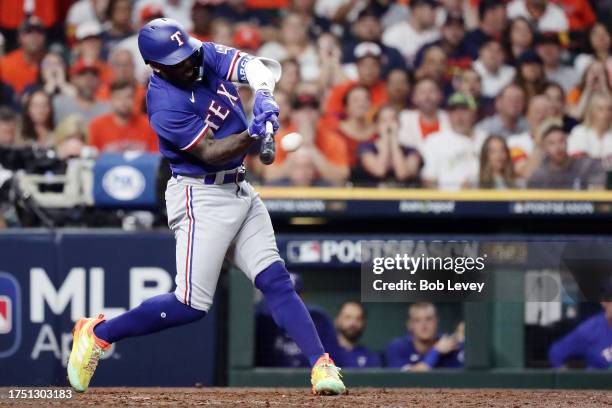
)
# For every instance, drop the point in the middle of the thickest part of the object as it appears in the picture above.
(226, 62)
(183, 129)
(572, 345)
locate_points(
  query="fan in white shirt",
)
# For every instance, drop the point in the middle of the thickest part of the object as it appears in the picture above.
(593, 138)
(451, 156)
(495, 75)
(409, 36)
(546, 15)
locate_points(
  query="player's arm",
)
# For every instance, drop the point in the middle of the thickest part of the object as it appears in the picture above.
(572, 345)
(219, 151)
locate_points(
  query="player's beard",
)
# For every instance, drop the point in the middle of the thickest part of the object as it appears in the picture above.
(351, 335)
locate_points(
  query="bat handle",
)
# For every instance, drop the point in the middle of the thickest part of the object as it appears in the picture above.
(268, 148)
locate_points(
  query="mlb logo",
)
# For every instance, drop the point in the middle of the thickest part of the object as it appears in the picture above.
(304, 251)
(10, 315)
(6, 315)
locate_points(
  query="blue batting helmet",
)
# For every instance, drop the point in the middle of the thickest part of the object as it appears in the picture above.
(166, 42)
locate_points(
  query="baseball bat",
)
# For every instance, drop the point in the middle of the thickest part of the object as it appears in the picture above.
(268, 149)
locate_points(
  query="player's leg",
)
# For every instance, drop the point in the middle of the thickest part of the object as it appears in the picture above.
(204, 227)
(256, 254)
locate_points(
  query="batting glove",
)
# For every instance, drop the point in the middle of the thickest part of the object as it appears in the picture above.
(264, 103)
(257, 128)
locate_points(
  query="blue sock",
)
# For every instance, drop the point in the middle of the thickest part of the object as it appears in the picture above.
(153, 315)
(288, 310)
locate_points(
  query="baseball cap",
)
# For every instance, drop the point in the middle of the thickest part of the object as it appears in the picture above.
(88, 29)
(306, 100)
(529, 57)
(151, 12)
(246, 37)
(81, 67)
(430, 3)
(367, 49)
(31, 23)
(461, 100)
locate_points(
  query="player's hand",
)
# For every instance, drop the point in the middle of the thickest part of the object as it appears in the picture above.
(446, 344)
(264, 103)
(257, 128)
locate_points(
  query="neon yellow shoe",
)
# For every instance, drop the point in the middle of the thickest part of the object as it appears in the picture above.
(326, 378)
(86, 352)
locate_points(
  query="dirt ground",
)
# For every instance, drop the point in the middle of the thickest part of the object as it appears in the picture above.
(295, 397)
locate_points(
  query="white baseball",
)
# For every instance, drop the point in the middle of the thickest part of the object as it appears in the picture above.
(291, 141)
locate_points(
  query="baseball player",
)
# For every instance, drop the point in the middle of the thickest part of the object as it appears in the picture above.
(203, 131)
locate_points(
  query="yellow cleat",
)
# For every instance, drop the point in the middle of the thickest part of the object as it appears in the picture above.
(326, 378)
(86, 352)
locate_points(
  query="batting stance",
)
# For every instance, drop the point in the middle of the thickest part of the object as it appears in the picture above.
(203, 131)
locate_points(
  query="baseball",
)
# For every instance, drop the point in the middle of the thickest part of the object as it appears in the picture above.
(291, 141)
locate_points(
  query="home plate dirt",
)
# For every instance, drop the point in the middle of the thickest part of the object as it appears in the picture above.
(297, 397)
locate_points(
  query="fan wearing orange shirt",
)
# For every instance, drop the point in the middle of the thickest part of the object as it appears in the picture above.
(369, 68)
(123, 69)
(19, 68)
(121, 129)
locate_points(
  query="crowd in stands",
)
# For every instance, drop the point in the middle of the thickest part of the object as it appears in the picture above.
(447, 94)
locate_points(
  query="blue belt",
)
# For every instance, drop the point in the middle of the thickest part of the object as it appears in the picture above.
(228, 178)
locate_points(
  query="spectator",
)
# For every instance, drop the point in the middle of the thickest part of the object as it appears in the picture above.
(558, 169)
(321, 159)
(557, 98)
(202, 18)
(19, 68)
(579, 14)
(37, 123)
(468, 81)
(420, 29)
(291, 77)
(549, 49)
(70, 137)
(85, 11)
(340, 11)
(222, 32)
(423, 348)
(594, 80)
(451, 156)
(8, 97)
(123, 69)
(8, 127)
(398, 89)
(368, 76)
(89, 49)
(599, 49)
(119, 24)
(385, 159)
(294, 44)
(332, 73)
(519, 38)
(508, 119)
(524, 147)
(545, 15)
(427, 117)
(435, 66)
(453, 44)
(52, 76)
(368, 28)
(86, 79)
(350, 323)
(492, 22)
(493, 72)
(174, 9)
(245, 38)
(121, 129)
(148, 13)
(591, 341)
(317, 25)
(593, 138)
(357, 128)
(531, 74)
(496, 171)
